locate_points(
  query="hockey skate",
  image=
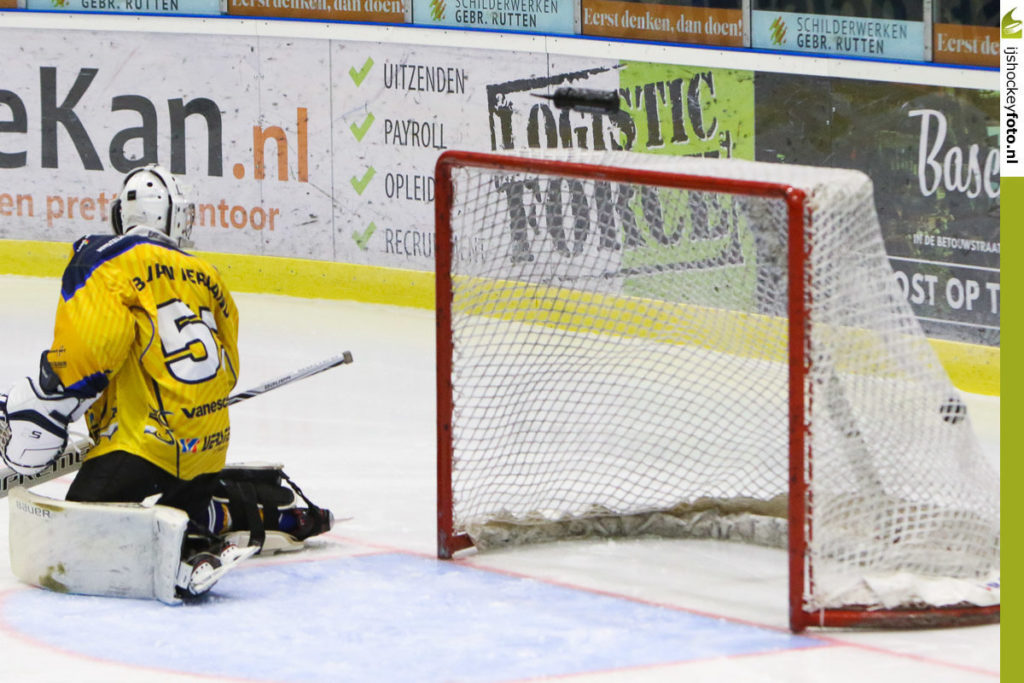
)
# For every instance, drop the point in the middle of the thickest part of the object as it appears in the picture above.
(302, 523)
(260, 504)
(198, 574)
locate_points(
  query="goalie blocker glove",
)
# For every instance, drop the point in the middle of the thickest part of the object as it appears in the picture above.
(34, 424)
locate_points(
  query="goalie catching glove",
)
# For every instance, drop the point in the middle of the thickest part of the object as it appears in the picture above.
(34, 424)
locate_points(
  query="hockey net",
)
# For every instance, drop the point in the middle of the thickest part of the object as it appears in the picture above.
(637, 344)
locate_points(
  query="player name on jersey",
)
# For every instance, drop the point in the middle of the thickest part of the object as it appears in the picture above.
(155, 271)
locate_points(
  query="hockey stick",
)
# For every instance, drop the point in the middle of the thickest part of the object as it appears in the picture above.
(316, 368)
(71, 459)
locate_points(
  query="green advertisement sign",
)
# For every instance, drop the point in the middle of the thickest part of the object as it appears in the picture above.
(663, 239)
(689, 111)
(689, 241)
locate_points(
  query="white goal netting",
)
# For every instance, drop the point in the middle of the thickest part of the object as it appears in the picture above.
(620, 365)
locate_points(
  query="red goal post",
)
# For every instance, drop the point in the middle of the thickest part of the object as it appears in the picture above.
(754, 306)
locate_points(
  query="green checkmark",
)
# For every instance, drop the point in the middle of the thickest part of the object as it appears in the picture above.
(361, 183)
(360, 130)
(358, 76)
(362, 239)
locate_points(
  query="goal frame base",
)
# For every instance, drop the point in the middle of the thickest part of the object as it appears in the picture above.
(895, 619)
(800, 620)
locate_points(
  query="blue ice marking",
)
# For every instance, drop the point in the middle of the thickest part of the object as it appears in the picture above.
(390, 617)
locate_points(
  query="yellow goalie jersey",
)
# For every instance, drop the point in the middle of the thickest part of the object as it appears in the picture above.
(153, 332)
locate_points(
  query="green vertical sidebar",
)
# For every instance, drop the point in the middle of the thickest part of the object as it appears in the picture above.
(1011, 213)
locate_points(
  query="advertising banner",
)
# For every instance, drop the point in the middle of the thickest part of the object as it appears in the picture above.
(304, 148)
(837, 35)
(397, 108)
(534, 16)
(134, 6)
(966, 33)
(959, 44)
(325, 149)
(256, 155)
(327, 153)
(382, 11)
(718, 22)
(931, 153)
(881, 29)
(665, 109)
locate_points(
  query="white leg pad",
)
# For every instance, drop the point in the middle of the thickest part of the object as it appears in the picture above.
(113, 549)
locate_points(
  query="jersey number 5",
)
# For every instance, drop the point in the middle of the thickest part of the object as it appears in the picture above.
(188, 343)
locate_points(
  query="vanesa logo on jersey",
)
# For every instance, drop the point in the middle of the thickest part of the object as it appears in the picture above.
(205, 409)
(189, 445)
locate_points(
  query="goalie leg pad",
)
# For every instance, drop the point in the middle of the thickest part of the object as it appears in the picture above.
(110, 549)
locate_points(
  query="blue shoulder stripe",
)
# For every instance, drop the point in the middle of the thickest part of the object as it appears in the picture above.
(93, 385)
(92, 251)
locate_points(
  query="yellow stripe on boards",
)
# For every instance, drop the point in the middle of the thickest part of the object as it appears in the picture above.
(972, 367)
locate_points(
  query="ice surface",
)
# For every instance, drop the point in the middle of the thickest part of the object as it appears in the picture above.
(369, 602)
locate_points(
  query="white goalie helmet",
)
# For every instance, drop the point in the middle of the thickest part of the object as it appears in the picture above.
(151, 197)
